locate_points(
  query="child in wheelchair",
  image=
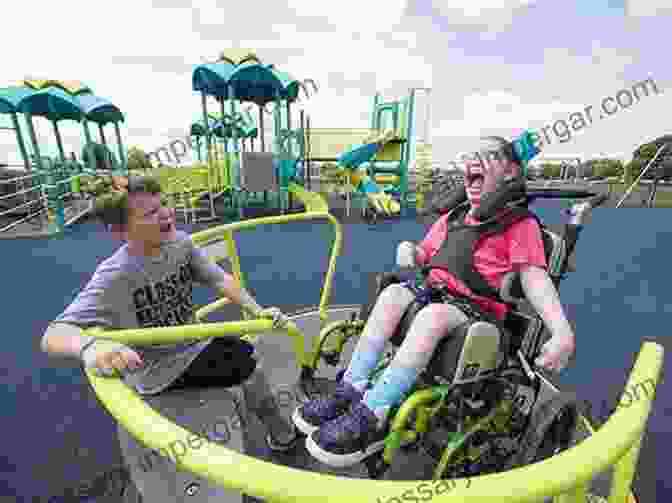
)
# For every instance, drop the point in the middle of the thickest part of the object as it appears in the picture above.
(466, 261)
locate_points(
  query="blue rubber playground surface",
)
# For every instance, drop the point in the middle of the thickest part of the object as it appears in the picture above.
(55, 434)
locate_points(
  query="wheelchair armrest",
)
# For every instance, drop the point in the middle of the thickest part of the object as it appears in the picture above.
(511, 291)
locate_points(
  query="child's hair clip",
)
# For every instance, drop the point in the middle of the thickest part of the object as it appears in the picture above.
(525, 149)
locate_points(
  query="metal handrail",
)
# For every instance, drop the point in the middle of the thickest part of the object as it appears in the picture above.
(634, 184)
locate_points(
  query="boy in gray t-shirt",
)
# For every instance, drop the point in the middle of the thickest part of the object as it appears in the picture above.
(148, 283)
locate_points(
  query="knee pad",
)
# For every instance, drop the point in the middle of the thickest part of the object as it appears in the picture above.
(474, 348)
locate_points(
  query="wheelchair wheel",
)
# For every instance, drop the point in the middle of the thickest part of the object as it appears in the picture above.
(550, 431)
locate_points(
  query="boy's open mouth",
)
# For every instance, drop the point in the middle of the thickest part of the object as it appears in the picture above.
(166, 227)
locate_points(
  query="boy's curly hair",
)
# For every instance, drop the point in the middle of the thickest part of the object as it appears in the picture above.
(112, 209)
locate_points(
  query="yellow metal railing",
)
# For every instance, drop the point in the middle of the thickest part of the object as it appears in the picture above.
(567, 474)
(316, 209)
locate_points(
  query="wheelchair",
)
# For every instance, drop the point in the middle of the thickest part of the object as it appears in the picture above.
(480, 406)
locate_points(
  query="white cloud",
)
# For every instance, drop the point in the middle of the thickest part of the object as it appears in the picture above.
(350, 52)
(493, 15)
(146, 71)
(646, 8)
(347, 16)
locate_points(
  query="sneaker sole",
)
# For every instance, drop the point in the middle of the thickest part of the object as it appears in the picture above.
(301, 424)
(341, 460)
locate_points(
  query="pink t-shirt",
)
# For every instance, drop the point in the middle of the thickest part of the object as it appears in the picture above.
(521, 245)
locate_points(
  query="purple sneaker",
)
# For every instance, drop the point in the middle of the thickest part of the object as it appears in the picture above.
(348, 439)
(314, 413)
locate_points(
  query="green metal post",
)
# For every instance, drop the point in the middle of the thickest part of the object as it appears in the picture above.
(376, 100)
(54, 204)
(208, 143)
(59, 141)
(277, 147)
(120, 147)
(204, 105)
(88, 148)
(261, 129)
(407, 150)
(289, 116)
(101, 131)
(235, 157)
(19, 139)
(33, 139)
(228, 177)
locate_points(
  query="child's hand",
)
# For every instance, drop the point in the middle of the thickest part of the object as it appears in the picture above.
(555, 354)
(406, 254)
(108, 357)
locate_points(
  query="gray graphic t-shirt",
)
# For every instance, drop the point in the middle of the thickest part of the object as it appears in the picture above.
(128, 292)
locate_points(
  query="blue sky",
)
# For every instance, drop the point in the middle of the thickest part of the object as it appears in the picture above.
(495, 66)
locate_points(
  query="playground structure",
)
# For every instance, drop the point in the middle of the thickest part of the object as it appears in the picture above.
(45, 194)
(375, 163)
(599, 464)
(222, 127)
(230, 168)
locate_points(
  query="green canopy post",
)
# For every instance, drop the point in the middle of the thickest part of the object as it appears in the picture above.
(277, 147)
(376, 101)
(33, 139)
(225, 140)
(406, 151)
(90, 157)
(59, 141)
(19, 139)
(261, 128)
(204, 106)
(54, 204)
(120, 146)
(289, 115)
(101, 131)
(235, 157)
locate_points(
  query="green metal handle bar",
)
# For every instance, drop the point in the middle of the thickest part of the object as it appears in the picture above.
(568, 473)
(175, 335)
(316, 208)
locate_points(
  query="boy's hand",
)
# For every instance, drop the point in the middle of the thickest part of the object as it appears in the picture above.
(273, 313)
(557, 351)
(108, 357)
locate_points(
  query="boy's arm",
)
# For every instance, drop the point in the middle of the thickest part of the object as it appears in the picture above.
(65, 336)
(64, 339)
(93, 307)
(210, 274)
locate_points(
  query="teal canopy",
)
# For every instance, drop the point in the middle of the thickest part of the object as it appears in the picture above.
(10, 98)
(56, 100)
(251, 82)
(99, 110)
(52, 103)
